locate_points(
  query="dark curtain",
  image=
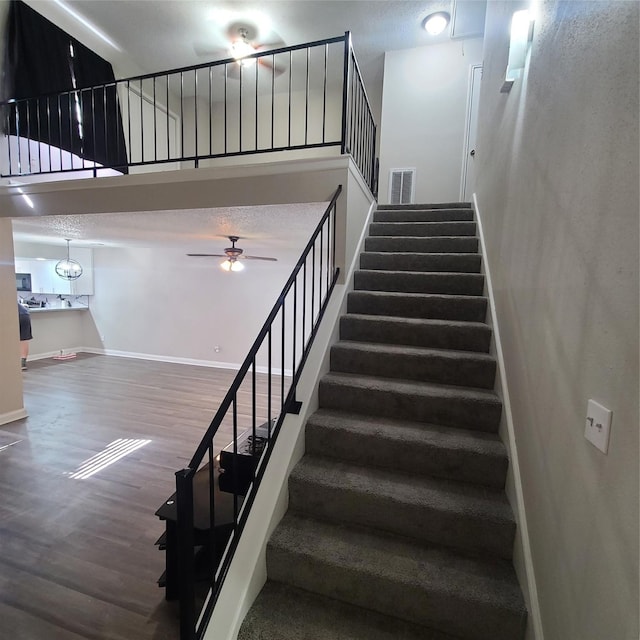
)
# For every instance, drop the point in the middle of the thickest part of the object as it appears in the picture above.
(51, 85)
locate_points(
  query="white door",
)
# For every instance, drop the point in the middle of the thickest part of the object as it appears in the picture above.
(468, 182)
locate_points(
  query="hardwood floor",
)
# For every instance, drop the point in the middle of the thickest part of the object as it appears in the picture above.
(77, 557)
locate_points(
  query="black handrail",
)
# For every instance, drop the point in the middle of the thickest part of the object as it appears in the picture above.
(133, 122)
(311, 282)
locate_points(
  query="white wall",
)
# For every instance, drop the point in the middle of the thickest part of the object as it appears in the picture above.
(424, 100)
(159, 303)
(312, 112)
(557, 176)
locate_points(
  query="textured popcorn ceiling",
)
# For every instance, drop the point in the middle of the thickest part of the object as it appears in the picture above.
(267, 230)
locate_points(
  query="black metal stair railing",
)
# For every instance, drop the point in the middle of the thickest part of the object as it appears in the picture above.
(308, 96)
(213, 520)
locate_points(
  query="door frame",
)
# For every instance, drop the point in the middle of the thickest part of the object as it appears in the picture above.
(466, 147)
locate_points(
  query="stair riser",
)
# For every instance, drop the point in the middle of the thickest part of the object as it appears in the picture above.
(424, 215)
(463, 284)
(282, 612)
(424, 206)
(427, 368)
(434, 524)
(451, 263)
(422, 229)
(425, 458)
(441, 308)
(437, 609)
(387, 331)
(461, 411)
(422, 245)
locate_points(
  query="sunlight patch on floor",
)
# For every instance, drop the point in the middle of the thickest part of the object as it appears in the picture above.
(113, 452)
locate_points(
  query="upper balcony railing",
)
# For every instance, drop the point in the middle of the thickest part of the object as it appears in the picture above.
(304, 97)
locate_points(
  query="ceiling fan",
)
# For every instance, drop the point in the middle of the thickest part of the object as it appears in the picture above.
(232, 254)
(243, 42)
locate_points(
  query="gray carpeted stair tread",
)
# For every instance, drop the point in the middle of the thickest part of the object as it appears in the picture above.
(423, 228)
(462, 284)
(418, 305)
(475, 598)
(457, 368)
(434, 510)
(423, 215)
(282, 612)
(441, 334)
(436, 244)
(424, 206)
(407, 446)
(406, 399)
(430, 262)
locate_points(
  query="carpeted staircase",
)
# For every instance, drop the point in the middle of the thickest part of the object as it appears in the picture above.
(398, 526)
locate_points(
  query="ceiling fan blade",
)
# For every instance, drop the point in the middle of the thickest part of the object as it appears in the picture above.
(203, 49)
(206, 255)
(276, 69)
(267, 46)
(243, 257)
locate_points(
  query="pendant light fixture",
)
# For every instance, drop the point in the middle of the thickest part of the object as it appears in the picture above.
(67, 268)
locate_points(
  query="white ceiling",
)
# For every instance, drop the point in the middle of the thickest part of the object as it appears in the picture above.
(158, 35)
(164, 34)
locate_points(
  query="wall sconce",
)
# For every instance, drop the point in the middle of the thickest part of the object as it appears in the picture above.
(520, 41)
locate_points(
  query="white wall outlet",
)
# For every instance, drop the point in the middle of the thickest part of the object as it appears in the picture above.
(598, 425)
(217, 348)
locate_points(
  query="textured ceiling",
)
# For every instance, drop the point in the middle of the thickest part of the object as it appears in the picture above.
(269, 230)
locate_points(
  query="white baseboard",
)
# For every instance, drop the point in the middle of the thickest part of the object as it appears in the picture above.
(503, 389)
(12, 416)
(214, 364)
(49, 354)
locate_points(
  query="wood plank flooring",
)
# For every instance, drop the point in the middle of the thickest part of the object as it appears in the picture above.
(77, 557)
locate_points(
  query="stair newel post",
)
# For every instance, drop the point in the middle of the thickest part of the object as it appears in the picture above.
(186, 570)
(345, 89)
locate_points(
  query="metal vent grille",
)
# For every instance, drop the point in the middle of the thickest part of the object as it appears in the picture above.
(401, 186)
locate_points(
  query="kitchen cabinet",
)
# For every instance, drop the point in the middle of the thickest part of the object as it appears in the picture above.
(45, 280)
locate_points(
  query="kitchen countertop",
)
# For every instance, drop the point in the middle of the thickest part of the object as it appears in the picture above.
(50, 309)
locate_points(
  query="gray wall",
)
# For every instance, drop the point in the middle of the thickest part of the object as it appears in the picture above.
(11, 405)
(557, 190)
(424, 109)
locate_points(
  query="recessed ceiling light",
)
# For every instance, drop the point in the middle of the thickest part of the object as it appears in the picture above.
(436, 23)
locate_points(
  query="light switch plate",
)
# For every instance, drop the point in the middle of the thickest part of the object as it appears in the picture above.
(598, 425)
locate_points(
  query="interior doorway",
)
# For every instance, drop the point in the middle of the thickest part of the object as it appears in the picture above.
(467, 183)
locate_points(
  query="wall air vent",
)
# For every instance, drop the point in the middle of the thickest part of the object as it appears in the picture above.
(401, 186)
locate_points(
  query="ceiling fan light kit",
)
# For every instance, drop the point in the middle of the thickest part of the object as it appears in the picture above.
(241, 48)
(232, 265)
